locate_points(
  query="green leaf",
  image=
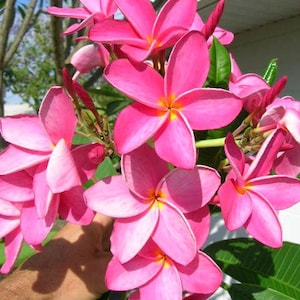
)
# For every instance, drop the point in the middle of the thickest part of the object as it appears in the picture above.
(271, 72)
(220, 66)
(105, 169)
(255, 292)
(253, 263)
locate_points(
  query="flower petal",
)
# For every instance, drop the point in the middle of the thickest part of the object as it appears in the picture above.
(165, 285)
(263, 223)
(13, 243)
(140, 14)
(236, 207)
(263, 161)
(199, 221)
(173, 15)
(135, 125)
(201, 276)
(190, 189)
(111, 197)
(25, 131)
(87, 158)
(116, 32)
(123, 277)
(174, 235)
(186, 72)
(289, 188)
(145, 84)
(144, 163)
(54, 103)
(61, 179)
(137, 230)
(209, 108)
(8, 209)
(14, 159)
(72, 207)
(36, 229)
(16, 187)
(8, 223)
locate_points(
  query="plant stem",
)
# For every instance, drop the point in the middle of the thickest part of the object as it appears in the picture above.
(210, 143)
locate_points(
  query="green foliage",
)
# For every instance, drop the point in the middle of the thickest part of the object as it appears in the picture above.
(220, 66)
(32, 71)
(264, 273)
(271, 72)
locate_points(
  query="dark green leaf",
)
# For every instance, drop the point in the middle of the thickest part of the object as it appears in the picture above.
(255, 292)
(253, 263)
(220, 66)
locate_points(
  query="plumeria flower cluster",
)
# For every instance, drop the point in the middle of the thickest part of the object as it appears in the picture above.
(160, 201)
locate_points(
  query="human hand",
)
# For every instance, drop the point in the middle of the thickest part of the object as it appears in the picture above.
(71, 266)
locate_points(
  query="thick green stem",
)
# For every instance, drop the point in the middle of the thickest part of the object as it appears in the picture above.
(210, 143)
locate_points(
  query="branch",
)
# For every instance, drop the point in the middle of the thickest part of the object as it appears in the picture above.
(56, 26)
(21, 32)
(7, 21)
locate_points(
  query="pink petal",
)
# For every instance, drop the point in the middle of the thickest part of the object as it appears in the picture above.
(112, 197)
(72, 207)
(199, 221)
(8, 223)
(116, 32)
(209, 108)
(289, 162)
(186, 72)
(140, 14)
(135, 125)
(138, 53)
(263, 161)
(16, 187)
(249, 84)
(87, 158)
(13, 243)
(201, 276)
(43, 195)
(137, 230)
(65, 12)
(145, 84)
(174, 235)
(190, 189)
(54, 103)
(8, 209)
(174, 14)
(92, 6)
(263, 223)
(87, 22)
(25, 131)
(165, 285)
(235, 156)
(90, 56)
(144, 163)
(236, 207)
(288, 187)
(14, 159)
(36, 229)
(108, 7)
(175, 142)
(61, 179)
(123, 277)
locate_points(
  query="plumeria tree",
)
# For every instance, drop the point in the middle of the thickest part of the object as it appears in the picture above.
(183, 135)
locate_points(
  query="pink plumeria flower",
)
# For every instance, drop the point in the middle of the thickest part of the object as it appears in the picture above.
(159, 277)
(92, 12)
(151, 202)
(47, 137)
(144, 32)
(89, 57)
(285, 113)
(169, 108)
(248, 197)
